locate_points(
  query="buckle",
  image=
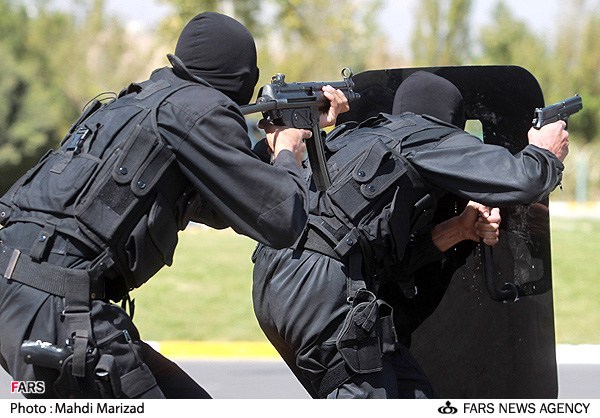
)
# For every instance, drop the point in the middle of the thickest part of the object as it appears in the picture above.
(12, 263)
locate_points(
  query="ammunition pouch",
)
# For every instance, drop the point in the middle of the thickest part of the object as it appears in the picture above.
(368, 333)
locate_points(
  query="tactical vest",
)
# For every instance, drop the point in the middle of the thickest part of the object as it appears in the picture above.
(377, 200)
(376, 204)
(113, 185)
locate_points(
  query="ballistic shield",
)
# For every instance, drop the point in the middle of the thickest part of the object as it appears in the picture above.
(472, 346)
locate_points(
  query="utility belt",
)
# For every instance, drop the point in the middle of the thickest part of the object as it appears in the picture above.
(59, 281)
(71, 284)
(88, 367)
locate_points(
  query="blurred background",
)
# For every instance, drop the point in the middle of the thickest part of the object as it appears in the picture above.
(58, 54)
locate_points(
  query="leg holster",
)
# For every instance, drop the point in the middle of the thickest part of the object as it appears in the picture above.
(366, 335)
(86, 364)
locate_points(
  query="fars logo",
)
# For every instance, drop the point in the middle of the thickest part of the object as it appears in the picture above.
(28, 387)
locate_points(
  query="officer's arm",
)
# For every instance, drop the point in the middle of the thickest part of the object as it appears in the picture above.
(489, 174)
(262, 201)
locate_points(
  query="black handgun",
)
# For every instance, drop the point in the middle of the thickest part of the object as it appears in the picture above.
(299, 105)
(45, 354)
(557, 111)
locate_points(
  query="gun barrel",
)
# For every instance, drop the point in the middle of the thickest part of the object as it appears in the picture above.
(557, 111)
(573, 105)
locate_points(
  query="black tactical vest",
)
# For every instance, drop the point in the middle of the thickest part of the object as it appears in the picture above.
(113, 184)
(377, 200)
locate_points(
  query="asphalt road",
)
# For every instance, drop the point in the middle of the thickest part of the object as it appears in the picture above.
(270, 379)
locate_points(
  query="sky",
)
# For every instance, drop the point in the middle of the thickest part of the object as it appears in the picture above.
(396, 17)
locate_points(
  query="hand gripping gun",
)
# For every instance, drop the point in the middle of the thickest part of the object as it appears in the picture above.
(299, 105)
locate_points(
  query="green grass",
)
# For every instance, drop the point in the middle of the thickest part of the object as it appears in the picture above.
(576, 266)
(206, 294)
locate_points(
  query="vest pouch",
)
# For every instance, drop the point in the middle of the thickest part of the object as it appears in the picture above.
(151, 244)
(367, 333)
(120, 368)
(62, 175)
(115, 191)
(368, 178)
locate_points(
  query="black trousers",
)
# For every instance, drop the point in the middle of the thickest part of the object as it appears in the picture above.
(300, 301)
(29, 314)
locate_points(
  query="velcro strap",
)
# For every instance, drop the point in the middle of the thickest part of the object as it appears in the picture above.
(79, 351)
(43, 241)
(315, 242)
(133, 156)
(45, 276)
(140, 383)
(151, 88)
(334, 378)
(107, 373)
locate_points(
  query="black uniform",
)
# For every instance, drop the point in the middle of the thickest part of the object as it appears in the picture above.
(100, 216)
(340, 343)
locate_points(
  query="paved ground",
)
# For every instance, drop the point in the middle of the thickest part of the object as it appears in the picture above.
(270, 379)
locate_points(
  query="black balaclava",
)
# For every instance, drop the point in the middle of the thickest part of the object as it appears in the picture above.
(426, 93)
(220, 50)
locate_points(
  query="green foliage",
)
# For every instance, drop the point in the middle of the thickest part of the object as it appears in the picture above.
(246, 11)
(308, 39)
(576, 66)
(315, 39)
(52, 63)
(441, 34)
(510, 41)
(34, 111)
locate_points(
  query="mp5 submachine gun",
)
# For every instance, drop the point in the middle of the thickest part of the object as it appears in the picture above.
(299, 105)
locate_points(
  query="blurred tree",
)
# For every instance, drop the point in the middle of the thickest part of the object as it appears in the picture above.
(52, 63)
(315, 39)
(510, 41)
(441, 34)
(576, 64)
(33, 111)
(246, 11)
(304, 39)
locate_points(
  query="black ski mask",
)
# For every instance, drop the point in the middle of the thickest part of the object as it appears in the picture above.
(426, 93)
(220, 50)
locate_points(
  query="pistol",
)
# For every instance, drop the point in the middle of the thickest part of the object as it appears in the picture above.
(45, 354)
(557, 111)
(299, 105)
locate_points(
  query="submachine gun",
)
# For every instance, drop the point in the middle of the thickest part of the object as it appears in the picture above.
(541, 116)
(299, 105)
